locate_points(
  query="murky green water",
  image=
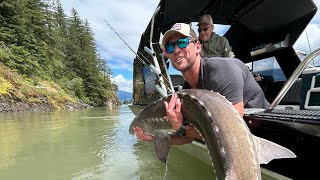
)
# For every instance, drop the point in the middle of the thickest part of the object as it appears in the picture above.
(85, 144)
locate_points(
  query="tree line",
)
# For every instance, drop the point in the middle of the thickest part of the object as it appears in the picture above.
(39, 41)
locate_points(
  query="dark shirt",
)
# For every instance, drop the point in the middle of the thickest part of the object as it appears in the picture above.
(231, 78)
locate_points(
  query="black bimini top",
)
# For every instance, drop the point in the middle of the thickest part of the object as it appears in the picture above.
(254, 23)
(258, 28)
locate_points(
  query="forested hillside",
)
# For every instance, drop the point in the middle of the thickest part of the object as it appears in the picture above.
(43, 45)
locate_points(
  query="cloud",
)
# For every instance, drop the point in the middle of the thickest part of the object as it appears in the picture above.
(129, 19)
(309, 38)
(123, 83)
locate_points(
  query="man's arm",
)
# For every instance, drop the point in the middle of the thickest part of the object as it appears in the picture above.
(175, 138)
(240, 108)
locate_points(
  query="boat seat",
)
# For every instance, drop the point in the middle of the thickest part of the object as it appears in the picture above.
(288, 115)
(292, 97)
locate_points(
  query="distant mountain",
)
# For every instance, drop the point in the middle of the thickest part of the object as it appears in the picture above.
(124, 95)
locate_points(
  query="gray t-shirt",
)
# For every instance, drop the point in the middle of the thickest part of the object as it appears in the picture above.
(231, 78)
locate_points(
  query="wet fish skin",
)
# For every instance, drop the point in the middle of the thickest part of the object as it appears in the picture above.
(230, 143)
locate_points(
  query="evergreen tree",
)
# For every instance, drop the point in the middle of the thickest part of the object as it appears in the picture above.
(38, 40)
(56, 29)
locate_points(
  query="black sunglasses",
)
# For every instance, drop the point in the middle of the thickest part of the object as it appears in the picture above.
(204, 29)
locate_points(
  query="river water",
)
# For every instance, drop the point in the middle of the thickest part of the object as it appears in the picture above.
(85, 144)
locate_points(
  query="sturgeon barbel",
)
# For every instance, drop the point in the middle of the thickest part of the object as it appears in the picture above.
(234, 151)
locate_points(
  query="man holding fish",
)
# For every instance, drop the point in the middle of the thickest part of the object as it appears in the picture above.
(228, 76)
(209, 108)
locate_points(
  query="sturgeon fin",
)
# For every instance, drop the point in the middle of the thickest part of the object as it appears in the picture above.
(268, 150)
(162, 142)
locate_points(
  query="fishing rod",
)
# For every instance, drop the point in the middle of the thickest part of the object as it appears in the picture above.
(151, 66)
(130, 47)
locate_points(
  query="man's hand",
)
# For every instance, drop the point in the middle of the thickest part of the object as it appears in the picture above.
(140, 135)
(174, 114)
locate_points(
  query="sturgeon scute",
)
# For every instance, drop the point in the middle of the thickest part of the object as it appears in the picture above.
(234, 151)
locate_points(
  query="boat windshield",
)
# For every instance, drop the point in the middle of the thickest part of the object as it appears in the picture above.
(267, 67)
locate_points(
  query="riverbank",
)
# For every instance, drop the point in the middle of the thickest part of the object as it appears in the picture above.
(8, 104)
(18, 93)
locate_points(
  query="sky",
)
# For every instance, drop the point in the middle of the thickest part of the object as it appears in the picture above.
(129, 19)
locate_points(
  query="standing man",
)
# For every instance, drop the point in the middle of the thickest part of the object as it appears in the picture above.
(228, 76)
(213, 45)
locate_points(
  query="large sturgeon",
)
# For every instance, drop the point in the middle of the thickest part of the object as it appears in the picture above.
(234, 151)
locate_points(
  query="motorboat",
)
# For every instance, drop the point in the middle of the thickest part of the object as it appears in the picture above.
(259, 31)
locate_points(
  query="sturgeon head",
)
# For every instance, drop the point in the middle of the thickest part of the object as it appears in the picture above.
(234, 151)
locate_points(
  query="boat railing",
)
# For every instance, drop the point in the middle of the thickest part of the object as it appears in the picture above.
(294, 77)
(163, 90)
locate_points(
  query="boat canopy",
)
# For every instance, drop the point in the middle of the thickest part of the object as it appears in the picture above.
(259, 29)
(255, 24)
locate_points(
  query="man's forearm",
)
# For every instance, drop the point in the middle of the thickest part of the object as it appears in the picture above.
(179, 140)
(190, 135)
(191, 131)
